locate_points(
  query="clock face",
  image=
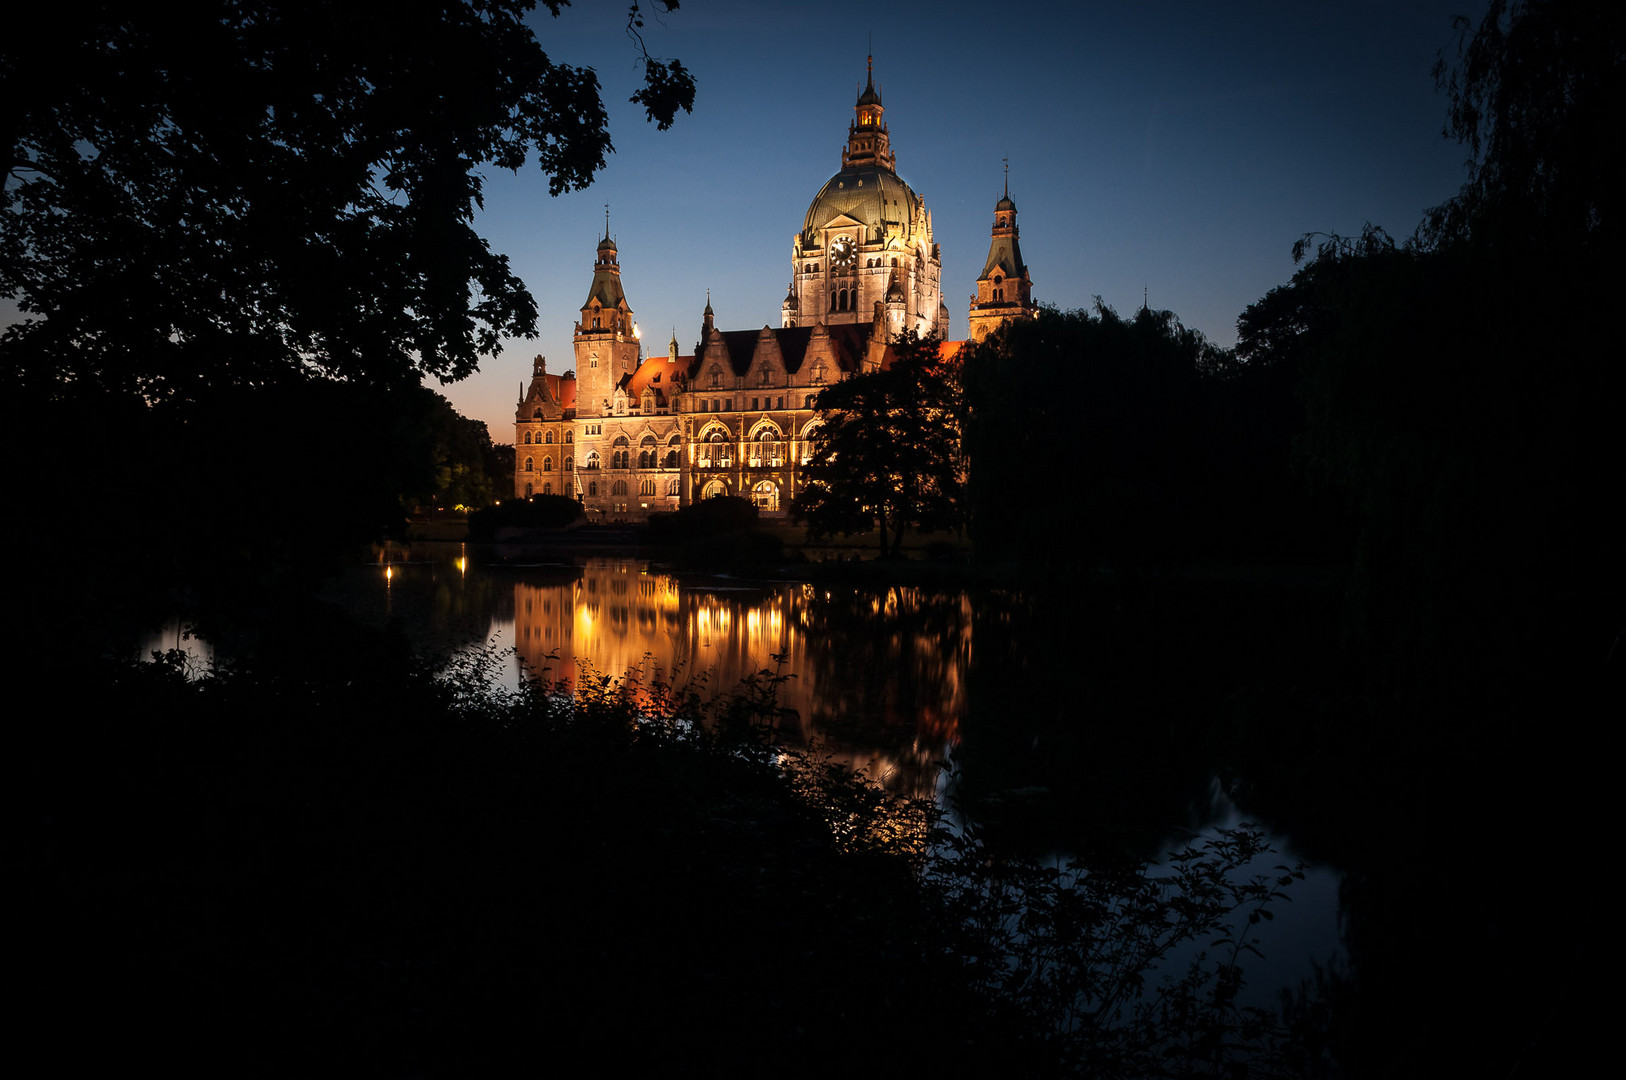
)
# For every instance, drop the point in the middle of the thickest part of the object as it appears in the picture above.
(841, 252)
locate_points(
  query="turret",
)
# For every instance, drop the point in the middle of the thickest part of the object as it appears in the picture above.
(606, 338)
(867, 140)
(1004, 290)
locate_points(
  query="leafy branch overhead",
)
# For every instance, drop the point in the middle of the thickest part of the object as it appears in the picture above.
(207, 196)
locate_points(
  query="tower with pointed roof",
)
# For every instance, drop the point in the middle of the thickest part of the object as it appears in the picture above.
(1004, 290)
(866, 235)
(606, 341)
(630, 437)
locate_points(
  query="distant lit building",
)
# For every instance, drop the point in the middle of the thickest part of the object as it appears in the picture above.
(630, 436)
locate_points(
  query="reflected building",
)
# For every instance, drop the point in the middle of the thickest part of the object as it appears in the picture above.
(877, 679)
(630, 435)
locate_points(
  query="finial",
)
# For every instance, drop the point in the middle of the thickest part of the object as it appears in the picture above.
(606, 221)
(1007, 162)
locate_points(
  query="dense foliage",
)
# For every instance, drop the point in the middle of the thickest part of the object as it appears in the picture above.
(1460, 389)
(887, 455)
(240, 234)
(356, 867)
(204, 197)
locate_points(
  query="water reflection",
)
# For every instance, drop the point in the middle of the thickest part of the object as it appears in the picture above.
(877, 677)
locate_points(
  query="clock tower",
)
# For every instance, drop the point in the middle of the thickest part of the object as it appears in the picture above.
(866, 239)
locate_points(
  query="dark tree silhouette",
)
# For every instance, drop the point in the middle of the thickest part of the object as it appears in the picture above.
(1460, 388)
(887, 456)
(207, 195)
(1463, 391)
(1080, 436)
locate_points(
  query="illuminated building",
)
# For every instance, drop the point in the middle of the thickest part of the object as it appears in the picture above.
(635, 436)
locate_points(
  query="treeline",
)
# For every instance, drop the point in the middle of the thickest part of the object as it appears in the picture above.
(324, 863)
(1098, 440)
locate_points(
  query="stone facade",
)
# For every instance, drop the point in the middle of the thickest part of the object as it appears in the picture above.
(629, 436)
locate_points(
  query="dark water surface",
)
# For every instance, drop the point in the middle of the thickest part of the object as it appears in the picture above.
(1078, 722)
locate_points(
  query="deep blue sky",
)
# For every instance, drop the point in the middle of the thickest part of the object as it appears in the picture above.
(1176, 147)
(1179, 148)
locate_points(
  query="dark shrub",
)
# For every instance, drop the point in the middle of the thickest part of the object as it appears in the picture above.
(539, 511)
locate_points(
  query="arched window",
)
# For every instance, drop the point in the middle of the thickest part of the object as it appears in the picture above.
(548, 438)
(671, 459)
(714, 489)
(569, 462)
(592, 460)
(592, 487)
(528, 491)
(672, 488)
(619, 488)
(570, 436)
(647, 487)
(818, 372)
(537, 415)
(716, 375)
(528, 465)
(766, 495)
(547, 464)
(547, 489)
(527, 438)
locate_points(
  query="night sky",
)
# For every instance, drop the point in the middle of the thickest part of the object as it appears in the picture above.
(1179, 148)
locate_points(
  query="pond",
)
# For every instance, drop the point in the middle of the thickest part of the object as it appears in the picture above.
(1075, 722)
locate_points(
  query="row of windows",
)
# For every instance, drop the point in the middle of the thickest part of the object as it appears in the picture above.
(813, 268)
(547, 438)
(619, 487)
(758, 404)
(714, 376)
(766, 453)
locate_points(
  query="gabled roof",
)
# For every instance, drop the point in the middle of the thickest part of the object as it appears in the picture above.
(847, 342)
(549, 390)
(659, 374)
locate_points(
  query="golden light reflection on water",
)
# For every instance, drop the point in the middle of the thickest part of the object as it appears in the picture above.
(845, 652)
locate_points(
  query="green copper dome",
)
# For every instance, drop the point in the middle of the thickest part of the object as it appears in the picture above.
(868, 194)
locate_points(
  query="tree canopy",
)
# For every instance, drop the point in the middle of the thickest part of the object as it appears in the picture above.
(1460, 389)
(228, 193)
(1080, 434)
(887, 455)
